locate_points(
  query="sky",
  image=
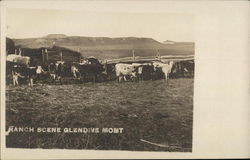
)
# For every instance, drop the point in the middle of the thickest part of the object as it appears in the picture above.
(31, 23)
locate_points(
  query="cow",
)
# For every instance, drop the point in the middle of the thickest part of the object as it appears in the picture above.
(16, 74)
(24, 72)
(183, 69)
(188, 67)
(56, 71)
(18, 59)
(60, 71)
(75, 72)
(52, 71)
(145, 71)
(109, 71)
(165, 68)
(39, 72)
(125, 70)
(87, 71)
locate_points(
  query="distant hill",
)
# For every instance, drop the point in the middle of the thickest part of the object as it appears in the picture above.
(105, 47)
(168, 42)
(56, 36)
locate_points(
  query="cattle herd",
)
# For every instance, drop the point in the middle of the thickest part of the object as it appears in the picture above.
(19, 72)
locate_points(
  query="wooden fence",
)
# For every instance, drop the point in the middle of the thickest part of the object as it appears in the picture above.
(151, 58)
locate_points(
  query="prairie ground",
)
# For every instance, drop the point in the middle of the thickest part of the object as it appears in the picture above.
(154, 111)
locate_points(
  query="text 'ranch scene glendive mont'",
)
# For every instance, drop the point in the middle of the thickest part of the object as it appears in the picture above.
(99, 81)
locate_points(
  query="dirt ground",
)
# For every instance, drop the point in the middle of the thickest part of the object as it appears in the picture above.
(153, 111)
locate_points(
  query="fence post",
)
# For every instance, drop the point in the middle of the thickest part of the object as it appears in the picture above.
(158, 54)
(47, 54)
(43, 55)
(133, 54)
(20, 52)
(61, 55)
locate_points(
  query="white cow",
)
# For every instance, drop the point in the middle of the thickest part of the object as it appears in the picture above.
(22, 60)
(166, 68)
(122, 70)
(75, 71)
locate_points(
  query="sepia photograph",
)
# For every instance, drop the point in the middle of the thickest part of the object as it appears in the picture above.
(124, 79)
(99, 80)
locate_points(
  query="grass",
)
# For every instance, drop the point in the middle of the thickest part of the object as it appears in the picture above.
(154, 111)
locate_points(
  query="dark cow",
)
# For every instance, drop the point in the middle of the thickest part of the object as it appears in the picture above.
(60, 71)
(52, 71)
(86, 72)
(188, 67)
(57, 71)
(146, 72)
(183, 69)
(24, 72)
(109, 72)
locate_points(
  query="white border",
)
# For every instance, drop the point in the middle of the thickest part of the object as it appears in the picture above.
(221, 92)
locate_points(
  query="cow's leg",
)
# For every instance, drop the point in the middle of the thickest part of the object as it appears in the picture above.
(15, 80)
(79, 76)
(140, 77)
(167, 77)
(120, 78)
(31, 81)
(164, 76)
(53, 77)
(125, 79)
(60, 79)
(74, 75)
(134, 78)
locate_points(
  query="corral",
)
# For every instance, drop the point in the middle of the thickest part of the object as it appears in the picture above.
(95, 70)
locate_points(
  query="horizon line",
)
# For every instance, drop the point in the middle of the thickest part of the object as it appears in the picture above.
(98, 37)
